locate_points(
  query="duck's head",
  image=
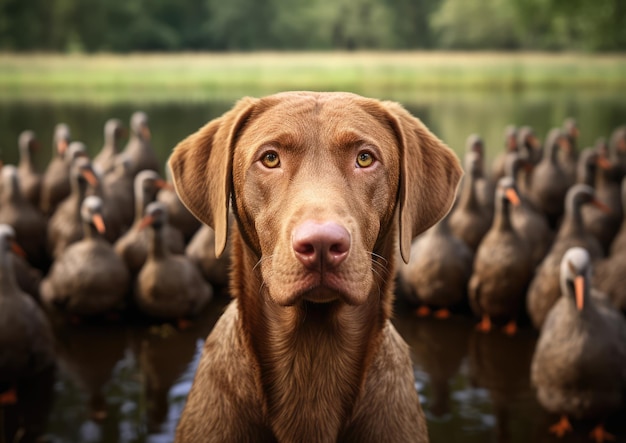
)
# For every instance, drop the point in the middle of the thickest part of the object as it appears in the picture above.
(575, 275)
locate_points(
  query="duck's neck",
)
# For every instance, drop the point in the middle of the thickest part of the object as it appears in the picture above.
(573, 220)
(468, 197)
(26, 160)
(157, 248)
(8, 282)
(502, 218)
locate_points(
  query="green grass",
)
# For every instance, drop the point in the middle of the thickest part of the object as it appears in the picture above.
(185, 77)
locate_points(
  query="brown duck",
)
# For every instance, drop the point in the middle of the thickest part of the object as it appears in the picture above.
(568, 157)
(55, 183)
(65, 225)
(87, 278)
(469, 221)
(169, 286)
(549, 182)
(179, 215)
(579, 364)
(544, 288)
(528, 222)
(26, 220)
(604, 225)
(26, 339)
(30, 177)
(139, 149)
(502, 266)
(498, 169)
(133, 245)
(436, 277)
(114, 132)
(201, 251)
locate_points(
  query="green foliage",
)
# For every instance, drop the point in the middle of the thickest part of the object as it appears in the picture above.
(174, 25)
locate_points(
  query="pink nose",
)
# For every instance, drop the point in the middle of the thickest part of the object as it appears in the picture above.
(320, 245)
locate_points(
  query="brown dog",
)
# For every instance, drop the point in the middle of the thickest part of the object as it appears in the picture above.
(321, 185)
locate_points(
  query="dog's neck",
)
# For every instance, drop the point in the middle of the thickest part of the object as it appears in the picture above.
(311, 358)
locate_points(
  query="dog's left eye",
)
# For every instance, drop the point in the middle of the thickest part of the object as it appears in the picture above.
(270, 160)
(364, 159)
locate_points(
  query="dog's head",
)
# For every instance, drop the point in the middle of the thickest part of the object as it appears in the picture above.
(316, 180)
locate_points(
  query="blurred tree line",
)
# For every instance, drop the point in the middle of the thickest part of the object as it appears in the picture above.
(218, 25)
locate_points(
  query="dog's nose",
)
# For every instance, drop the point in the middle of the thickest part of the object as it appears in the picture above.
(321, 245)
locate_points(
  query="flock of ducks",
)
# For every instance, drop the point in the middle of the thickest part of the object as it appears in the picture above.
(94, 238)
(539, 238)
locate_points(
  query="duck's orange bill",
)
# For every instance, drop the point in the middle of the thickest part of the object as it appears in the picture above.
(90, 177)
(62, 146)
(579, 291)
(512, 196)
(162, 184)
(603, 162)
(98, 222)
(146, 221)
(601, 206)
(17, 249)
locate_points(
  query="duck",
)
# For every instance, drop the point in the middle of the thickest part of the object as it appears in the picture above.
(179, 215)
(55, 184)
(468, 220)
(27, 345)
(502, 266)
(529, 223)
(436, 277)
(510, 145)
(484, 185)
(617, 144)
(133, 245)
(544, 288)
(604, 225)
(29, 224)
(114, 132)
(30, 177)
(588, 162)
(610, 272)
(139, 149)
(201, 251)
(549, 182)
(579, 364)
(117, 190)
(88, 278)
(619, 242)
(568, 157)
(168, 286)
(65, 225)
(529, 148)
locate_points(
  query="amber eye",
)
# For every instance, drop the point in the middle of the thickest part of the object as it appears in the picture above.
(364, 159)
(270, 160)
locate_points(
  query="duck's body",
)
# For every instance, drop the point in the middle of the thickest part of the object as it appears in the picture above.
(168, 286)
(469, 221)
(201, 251)
(133, 245)
(104, 161)
(55, 183)
(28, 223)
(26, 339)
(139, 149)
(439, 270)
(88, 278)
(550, 183)
(502, 266)
(30, 177)
(579, 365)
(65, 225)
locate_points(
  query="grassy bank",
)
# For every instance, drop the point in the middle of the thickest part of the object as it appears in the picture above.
(113, 78)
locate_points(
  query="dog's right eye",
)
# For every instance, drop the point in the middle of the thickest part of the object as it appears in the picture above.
(270, 160)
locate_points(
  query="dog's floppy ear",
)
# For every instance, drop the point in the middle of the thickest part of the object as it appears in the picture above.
(429, 176)
(201, 168)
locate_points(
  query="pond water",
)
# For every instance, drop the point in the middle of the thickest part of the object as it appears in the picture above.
(127, 381)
